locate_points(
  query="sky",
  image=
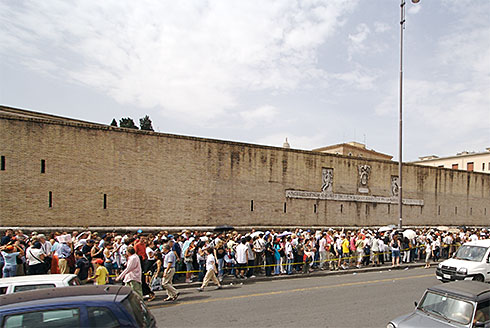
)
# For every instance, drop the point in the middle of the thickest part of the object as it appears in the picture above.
(316, 72)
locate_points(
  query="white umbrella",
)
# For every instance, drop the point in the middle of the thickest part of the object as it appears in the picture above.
(256, 233)
(409, 233)
(442, 228)
(386, 228)
(454, 230)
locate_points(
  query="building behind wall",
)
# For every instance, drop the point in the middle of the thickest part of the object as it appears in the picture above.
(468, 161)
(64, 172)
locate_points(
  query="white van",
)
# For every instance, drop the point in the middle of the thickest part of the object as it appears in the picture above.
(470, 262)
(31, 282)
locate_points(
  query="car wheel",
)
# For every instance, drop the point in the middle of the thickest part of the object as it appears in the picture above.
(478, 278)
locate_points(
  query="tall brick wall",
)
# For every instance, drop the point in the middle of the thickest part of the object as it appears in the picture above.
(154, 179)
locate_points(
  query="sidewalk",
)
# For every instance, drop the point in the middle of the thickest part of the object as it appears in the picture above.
(316, 273)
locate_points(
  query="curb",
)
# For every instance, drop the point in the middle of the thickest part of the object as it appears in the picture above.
(318, 273)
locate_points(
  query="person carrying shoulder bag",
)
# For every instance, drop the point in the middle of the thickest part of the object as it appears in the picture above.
(35, 259)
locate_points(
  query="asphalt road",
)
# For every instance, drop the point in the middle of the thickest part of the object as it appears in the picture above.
(353, 300)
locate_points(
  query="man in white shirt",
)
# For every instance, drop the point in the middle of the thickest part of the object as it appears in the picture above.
(323, 251)
(210, 270)
(259, 248)
(241, 256)
(288, 248)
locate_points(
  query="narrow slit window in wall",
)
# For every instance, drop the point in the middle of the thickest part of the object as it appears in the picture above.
(50, 199)
(285, 207)
(439, 210)
(43, 166)
(389, 209)
(455, 210)
(341, 208)
(314, 208)
(251, 206)
(471, 210)
(2, 163)
(105, 201)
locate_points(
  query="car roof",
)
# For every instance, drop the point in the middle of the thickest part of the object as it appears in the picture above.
(472, 290)
(481, 242)
(36, 278)
(62, 294)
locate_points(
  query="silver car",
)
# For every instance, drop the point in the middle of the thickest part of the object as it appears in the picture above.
(456, 304)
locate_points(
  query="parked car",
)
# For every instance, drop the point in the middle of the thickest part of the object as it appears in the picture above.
(455, 304)
(470, 262)
(25, 283)
(78, 306)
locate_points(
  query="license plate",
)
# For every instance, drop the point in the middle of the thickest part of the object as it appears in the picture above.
(446, 276)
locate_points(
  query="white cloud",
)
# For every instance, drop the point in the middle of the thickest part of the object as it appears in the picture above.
(260, 115)
(183, 57)
(414, 9)
(357, 44)
(380, 27)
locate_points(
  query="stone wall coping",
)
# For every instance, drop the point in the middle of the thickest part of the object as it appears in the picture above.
(59, 120)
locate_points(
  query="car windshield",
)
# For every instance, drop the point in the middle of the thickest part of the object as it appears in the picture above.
(470, 253)
(447, 307)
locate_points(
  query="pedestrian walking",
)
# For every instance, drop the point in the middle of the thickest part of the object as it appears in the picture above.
(210, 271)
(168, 273)
(131, 276)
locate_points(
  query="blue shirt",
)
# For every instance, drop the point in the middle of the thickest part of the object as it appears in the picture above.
(64, 251)
(10, 258)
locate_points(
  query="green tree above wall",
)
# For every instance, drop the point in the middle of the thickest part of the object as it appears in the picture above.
(114, 122)
(127, 122)
(145, 123)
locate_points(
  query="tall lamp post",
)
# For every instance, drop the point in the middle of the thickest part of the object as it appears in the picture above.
(400, 127)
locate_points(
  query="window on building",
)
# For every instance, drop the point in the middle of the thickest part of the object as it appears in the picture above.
(455, 210)
(314, 208)
(105, 201)
(50, 199)
(483, 166)
(341, 208)
(454, 166)
(43, 166)
(470, 166)
(285, 207)
(441, 166)
(251, 206)
(389, 208)
(350, 154)
(439, 210)
(2, 163)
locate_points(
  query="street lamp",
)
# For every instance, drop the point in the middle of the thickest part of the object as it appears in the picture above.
(400, 128)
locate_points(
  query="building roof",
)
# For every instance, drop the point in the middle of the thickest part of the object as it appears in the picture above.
(356, 146)
(434, 158)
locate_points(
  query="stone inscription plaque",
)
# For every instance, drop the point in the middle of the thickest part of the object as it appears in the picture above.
(350, 198)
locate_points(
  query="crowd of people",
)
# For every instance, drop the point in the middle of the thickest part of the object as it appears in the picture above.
(148, 262)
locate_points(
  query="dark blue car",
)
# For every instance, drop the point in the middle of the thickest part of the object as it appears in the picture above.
(78, 306)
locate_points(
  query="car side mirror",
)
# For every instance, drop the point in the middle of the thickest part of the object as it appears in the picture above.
(416, 304)
(479, 324)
